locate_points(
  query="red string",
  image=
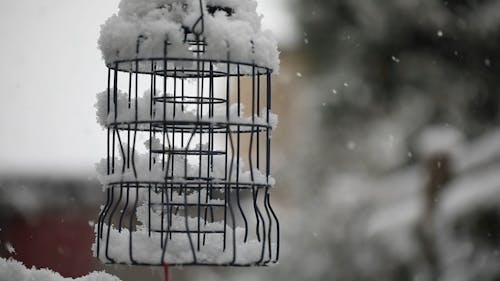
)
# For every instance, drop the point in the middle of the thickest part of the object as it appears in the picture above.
(165, 269)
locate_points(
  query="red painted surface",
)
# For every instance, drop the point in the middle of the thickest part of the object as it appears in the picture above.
(58, 242)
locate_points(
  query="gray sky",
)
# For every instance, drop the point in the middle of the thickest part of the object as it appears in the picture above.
(50, 72)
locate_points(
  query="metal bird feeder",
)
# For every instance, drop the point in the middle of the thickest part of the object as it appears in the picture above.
(199, 194)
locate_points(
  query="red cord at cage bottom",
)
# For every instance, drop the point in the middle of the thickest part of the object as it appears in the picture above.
(165, 270)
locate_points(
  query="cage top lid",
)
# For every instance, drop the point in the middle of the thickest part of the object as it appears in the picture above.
(230, 28)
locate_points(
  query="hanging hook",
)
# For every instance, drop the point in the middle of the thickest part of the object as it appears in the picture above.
(228, 46)
(200, 20)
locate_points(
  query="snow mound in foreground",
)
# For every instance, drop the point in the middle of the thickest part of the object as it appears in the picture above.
(12, 270)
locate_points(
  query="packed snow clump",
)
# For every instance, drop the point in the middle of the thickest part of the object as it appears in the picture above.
(12, 270)
(230, 28)
(184, 169)
(146, 248)
(170, 112)
(146, 245)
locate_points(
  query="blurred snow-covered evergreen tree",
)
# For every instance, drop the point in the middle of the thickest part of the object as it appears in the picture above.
(387, 68)
(381, 73)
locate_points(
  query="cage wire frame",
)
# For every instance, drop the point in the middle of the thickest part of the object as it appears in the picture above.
(244, 203)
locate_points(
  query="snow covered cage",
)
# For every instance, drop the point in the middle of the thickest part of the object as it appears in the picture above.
(198, 191)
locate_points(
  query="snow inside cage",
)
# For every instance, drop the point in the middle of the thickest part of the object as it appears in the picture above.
(188, 117)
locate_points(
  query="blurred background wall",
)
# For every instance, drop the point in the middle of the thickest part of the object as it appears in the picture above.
(387, 153)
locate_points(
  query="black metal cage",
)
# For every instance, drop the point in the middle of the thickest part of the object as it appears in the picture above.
(198, 191)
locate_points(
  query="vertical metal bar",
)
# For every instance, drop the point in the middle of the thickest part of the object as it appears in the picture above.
(277, 229)
(124, 210)
(266, 206)
(151, 99)
(149, 210)
(120, 143)
(162, 217)
(211, 112)
(199, 115)
(131, 219)
(169, 223)
(258, 114)
(268, 133)
(129, 107)
(165, 66)
(136, 107)
(255, 194)
(238, 148)
(187, 227)
(229, 204)
(108, 234)
(107, 115)
(100, 222)
(115, 102)
(227, 175)
(263, 230)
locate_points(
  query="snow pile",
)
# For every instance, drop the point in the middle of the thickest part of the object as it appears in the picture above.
(177, 198)
(178, 223)
(12, 270)
(146, 249)
(467, 226)
(480, 152)
(142, 170)
(229, 27)
(183, 169)
(475, 191)
(170, 112)
(395, 211)
(438, 140)
(389, 213)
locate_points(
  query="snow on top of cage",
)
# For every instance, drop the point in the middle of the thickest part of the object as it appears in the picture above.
(13, 270)
(231, 28)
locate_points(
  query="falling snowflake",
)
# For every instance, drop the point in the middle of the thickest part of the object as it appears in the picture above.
(351, 145)
(10, 248)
